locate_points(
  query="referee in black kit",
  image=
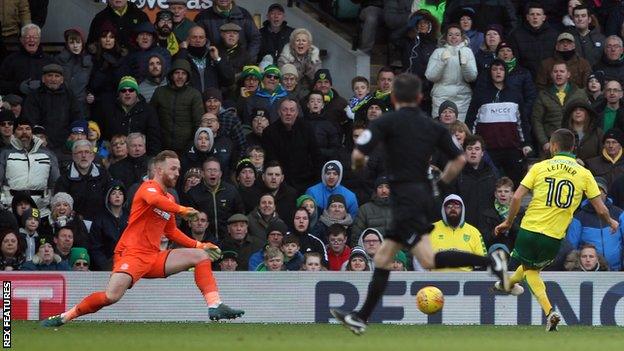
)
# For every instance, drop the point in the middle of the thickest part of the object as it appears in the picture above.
(410, 138)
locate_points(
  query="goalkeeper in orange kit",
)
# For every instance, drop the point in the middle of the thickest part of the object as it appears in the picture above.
(137, 254)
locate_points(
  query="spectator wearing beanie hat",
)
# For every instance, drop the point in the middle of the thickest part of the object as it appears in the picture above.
(447, 113)
(594, 86)
(370, 240)
(331, 176)
(248, 81)
(334, 213)
(63, 215)
(376, 213)
(487, 51)
(29, 225)
(275, 33)
(358, 261)
(79, 259)
(290, 81)
(7, 119)
(191, 178)
(268, 95)
(13, 103)
(129, 113)
(610, 164)
(27, 166)
(334, 103)
(274, 235)
(246, 179)
(229, 123)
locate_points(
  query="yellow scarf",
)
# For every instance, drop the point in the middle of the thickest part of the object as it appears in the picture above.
(612, 160)
(122, 11)
(561, 94)
(172, 44)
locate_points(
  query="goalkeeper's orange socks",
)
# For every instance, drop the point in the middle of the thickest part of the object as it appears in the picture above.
(89, 304)
(538, 288)
(206, 283)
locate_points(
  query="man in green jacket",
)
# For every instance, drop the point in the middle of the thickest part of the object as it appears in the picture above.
(179, 107)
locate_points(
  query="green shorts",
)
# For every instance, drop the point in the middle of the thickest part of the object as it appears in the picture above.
(535, 250)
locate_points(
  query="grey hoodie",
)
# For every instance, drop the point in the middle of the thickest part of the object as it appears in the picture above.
(455, 197)
(210, 138)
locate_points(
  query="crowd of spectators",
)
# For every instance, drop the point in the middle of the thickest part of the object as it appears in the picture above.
(264, 139)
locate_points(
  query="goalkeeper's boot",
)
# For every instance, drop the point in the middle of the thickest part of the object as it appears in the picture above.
(552, 320)
(351, 321)
(499, 268)
(224, 311)
(516, 289)
(51, 322)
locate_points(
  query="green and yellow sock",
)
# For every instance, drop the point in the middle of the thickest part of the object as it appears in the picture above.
(538, 288)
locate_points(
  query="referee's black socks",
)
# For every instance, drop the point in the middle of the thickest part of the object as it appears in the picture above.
(453, 259)
(376, 289)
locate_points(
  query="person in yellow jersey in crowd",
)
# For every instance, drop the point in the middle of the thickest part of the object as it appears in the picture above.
(558, 186)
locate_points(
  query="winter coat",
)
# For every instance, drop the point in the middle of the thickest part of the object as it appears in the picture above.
(376, 213)
(612, 69)
(215, 74)
(264, 99)
(55, 110)
(125, 24)
(548, 112)
(451, 80)
(579, 69)
(296, 151)
(416, 54)
(476, 188)
(149, 86)
(88, 191)
(326, 133)
(76, 75)
(475, 40)
(108, 68)
(141, 118)
(590, 46)
(129, 170)
(219, 205)
(533, 45)
(49, 227)
(310, 243)
(272, 43)
(179, 111)
(306, 66)
(56, 265)
(21, 66)
(104, 235)
(36, 170)
(138, 60)
(601, 167)
(237, 57)
(497, 116)
(14, 14)
(590, 145)
(244, 249)
(257, 224)
(321, 192)
(484, 59)
(285, 200)
(230, 126)
(211, 20)
(334, 111)
(587, 228)
(489, 219)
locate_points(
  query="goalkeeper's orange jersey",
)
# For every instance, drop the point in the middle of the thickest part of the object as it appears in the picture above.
(152, 215)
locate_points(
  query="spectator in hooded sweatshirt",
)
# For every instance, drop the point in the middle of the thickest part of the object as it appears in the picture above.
(201, 150)
(452, 232)
(107, 228)
(155, 78)
(587, 228)
(331, 176)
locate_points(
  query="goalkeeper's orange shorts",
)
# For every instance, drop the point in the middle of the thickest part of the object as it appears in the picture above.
(140, 264)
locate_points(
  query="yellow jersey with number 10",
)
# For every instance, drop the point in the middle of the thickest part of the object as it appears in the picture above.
(558, 186)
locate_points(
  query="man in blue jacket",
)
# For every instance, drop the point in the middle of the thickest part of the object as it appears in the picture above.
(587, 228)
(331, 175)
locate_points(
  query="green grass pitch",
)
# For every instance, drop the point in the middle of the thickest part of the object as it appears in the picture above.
(94, 336)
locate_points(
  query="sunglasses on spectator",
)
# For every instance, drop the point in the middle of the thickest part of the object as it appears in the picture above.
(271, 76)
(6, 124)
(126, 90)
(81, 264)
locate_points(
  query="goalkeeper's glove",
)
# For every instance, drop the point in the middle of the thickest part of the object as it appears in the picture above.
(213, 251)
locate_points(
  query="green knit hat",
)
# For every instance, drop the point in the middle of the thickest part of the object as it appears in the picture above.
(272, 69)
(401, 257)
(128, 82)
(78, 253)
(251, 71)
(304, 197)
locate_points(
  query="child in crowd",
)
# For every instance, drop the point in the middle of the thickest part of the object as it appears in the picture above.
(361, 95)
(293, 259)
(28, 231)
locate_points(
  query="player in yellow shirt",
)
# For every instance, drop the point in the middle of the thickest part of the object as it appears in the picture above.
(558, 186)
(453, 233)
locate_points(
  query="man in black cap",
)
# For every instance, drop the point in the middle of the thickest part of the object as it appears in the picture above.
(610, 163)
(275, 33)
(52, 106)
(165, 38)
(259, 121)
(246, 178)
(28, 166)
(412, 206)
(334, 103)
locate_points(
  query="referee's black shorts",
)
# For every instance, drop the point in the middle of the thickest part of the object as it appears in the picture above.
(413, 211)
